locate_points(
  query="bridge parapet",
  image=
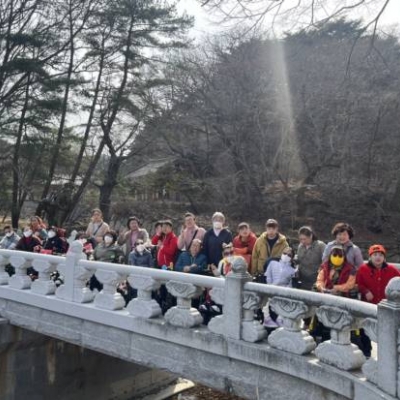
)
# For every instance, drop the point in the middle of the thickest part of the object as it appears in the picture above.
(239, 296)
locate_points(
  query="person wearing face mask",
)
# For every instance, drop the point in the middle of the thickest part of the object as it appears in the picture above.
(279, 273)
(141, 256)
(28, 242)
(135, 233)
(336, 276)
(108, 250)
(214, 239)
(55, 243)
(10, 239)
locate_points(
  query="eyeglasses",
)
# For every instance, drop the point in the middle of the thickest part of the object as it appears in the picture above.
(228, 253)
(337, 253)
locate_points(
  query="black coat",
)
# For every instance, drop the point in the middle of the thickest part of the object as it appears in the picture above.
(212, 245)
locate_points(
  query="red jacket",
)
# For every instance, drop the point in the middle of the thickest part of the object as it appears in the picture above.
(374, 280)
(168, 251)
(245, 249)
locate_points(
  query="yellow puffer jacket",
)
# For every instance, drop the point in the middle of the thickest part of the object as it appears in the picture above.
(262, 252)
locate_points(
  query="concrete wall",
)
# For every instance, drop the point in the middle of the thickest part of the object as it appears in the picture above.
(37, 367)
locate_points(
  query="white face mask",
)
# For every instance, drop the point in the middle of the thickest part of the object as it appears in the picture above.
(9, 234)
(217, 225)
(28, 233)
(140, 248)
(108, 240)
(51, 234)
(285, 258)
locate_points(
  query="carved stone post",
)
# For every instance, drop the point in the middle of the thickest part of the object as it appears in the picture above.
(230, 323)
(74, 287)
(291, 338)
(109, 298)
(252, 331)
(388, 339)
(44, 285)
(339, 351)
(144, 306)
(4, 277)
(183, 314)
(370, 368)
(20, 280)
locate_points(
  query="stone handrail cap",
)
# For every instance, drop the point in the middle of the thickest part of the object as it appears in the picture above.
(239, 265)
(392, 290)
(76, 247)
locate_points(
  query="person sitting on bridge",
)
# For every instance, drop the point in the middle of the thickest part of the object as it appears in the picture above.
(28, 242)
(244, 242)
(10, 239)
(343, 234)
(270, 244)
(106, 251)
(141, 256)
(54, 242)
(134, 233)
(192, 261)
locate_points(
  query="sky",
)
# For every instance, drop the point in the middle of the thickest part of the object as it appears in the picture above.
(204, 23)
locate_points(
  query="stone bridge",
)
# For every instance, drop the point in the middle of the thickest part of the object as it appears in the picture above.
(233, 353)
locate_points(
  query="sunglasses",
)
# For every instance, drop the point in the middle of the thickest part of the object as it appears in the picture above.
(337, 253)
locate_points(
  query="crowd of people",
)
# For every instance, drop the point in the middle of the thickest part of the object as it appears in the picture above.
(337, 268)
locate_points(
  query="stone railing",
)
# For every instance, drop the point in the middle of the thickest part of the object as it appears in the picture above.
(239, 297)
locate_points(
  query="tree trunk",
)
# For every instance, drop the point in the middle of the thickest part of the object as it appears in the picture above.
(60, 133)
(110, 181)
(18, 202)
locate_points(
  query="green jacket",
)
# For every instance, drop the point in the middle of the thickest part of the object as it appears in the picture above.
(262, 251)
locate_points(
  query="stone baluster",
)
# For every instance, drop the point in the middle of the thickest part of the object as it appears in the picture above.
(144, 306)
(44, 285)
(230, 323)
(183, 314)
(4, 277)
(109, 298)
(339, 351)
(291, 337)
(75, 277)
(252, 331)
(20, 280)
(370, 368)
(388, 339)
